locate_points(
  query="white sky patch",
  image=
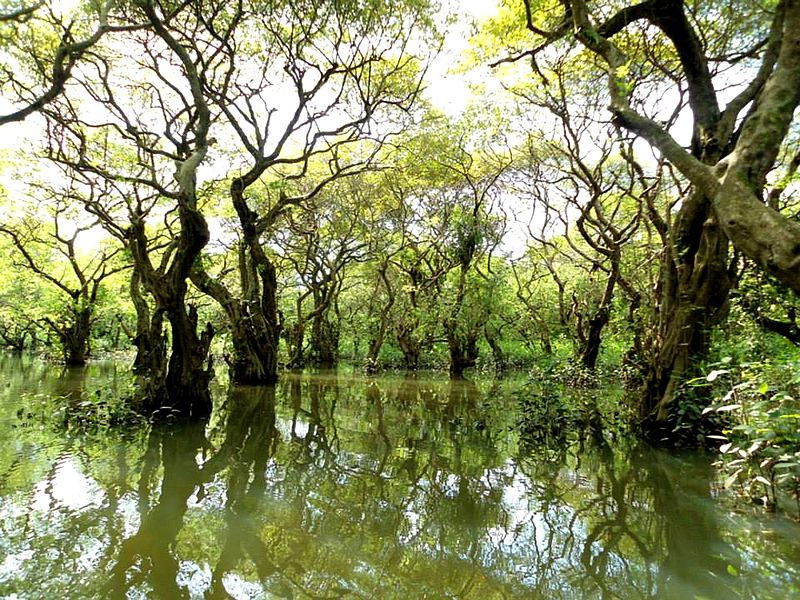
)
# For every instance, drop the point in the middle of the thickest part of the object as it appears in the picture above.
(63, 8)
(448, 90)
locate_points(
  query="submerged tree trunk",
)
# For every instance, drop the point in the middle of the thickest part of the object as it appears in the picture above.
(181, 385)
(253, 326)
(74, 336)
(324, 342)
(462, 340)
(374, 349)
(463, 347)
(253, 318)
(149, 340)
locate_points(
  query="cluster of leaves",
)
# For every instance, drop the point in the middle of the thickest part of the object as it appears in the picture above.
(99, 409)
(760, 450)
(551, 416)
(569, 372)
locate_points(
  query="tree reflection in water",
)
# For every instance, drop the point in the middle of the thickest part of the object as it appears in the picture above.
(337, 487)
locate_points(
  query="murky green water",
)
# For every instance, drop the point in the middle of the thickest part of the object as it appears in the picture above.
(344, 487)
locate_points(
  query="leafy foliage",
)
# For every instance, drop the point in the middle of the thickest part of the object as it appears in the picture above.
(760, 453)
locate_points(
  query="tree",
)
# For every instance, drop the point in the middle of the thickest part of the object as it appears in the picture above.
(325, 76)
(92, 137)
(53, 254)
(464, 197)
(320, 244)
(732, 151)
(588, 209)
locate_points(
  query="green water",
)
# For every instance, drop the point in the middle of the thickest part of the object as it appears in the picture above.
(339, 486)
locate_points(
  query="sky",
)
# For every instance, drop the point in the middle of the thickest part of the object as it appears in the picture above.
(448, 91)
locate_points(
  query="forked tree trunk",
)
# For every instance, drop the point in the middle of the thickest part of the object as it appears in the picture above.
(183, 386)
(733, 150)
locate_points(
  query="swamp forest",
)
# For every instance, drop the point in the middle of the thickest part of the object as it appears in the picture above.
(399, 299)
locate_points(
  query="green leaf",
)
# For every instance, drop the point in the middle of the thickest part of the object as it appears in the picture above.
(715, 374)
(764, 480)
(731, 479)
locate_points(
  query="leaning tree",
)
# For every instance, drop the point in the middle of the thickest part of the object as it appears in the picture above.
(734, 67)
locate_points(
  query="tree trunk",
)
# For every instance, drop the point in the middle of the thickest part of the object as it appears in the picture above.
(190, 367)
(324, 342)
(253, 326)
(252, 363)
(150, 342)
(180, 385)
(409, 346)
(463, 349)
(377, 340)
(75, 338)
(694, 290)
(295, 338)
(732, 153)
(374, 350)
(499, 357)
(592, 338)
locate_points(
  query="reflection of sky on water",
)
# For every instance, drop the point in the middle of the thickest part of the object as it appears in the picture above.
(68, 488)
(344, 500)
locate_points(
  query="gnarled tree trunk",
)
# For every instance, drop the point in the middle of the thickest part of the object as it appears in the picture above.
(463, 347)
(694, 285)
(324, 342)
(253, 324)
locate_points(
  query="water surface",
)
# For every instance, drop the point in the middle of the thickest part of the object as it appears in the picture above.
(340, 486)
